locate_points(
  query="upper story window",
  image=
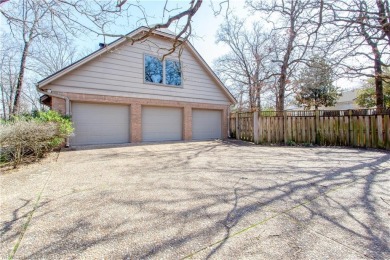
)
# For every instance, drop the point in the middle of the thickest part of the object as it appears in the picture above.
(167, 72)
(153, 69)
(172, 73)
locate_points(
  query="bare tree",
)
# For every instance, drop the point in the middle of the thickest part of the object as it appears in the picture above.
(8, 76)
(52, 55)
(297, 22)
(30, 20)
(361, 44)
(246, 67)
(10, 60)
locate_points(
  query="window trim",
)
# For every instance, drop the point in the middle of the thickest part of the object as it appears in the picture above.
(144, 71)
(163, 72)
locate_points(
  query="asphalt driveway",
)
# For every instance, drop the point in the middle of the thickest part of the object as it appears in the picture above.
(221, 200)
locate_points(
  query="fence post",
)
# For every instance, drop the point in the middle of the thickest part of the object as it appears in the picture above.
(237, 126)
(316, 126)
(256, 127)
(380, 130)
(350, 128)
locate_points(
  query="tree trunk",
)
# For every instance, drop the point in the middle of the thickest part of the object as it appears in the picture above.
(383, 18)
(378, 82)
(3, 102)
(281, 92)
(378, 74)
(19, 85)
(283, 71)
(250, 97)
(377, 64)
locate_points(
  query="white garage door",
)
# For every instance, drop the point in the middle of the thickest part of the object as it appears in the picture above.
(206, 124)
(100, 123)
(162, 124)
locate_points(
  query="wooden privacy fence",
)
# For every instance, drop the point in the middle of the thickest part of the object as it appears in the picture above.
(359, 128)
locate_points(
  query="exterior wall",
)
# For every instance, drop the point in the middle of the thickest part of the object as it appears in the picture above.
(136, 110)
(59, 105)
(120, 72)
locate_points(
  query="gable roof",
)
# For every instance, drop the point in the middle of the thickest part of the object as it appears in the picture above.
(165, 33)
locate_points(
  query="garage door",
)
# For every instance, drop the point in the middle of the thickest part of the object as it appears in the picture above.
(206, 124)
(100, 124)
(161, 124)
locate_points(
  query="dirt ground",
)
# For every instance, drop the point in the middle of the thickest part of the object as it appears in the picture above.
(218, 200)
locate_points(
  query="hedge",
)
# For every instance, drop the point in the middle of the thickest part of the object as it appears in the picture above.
(32, 136)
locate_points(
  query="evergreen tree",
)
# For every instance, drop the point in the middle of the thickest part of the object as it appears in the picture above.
(315, 85)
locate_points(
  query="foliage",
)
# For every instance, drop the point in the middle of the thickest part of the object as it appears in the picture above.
(64, 123)
(291, 143)
(32, 136)
(367, 96)
(316, 85)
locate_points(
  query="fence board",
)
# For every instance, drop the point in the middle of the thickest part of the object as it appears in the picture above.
(374, 132)
(387, 131)
(380, 131)
(359, 128)
(367, 131)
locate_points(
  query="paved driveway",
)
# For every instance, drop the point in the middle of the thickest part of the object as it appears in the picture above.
(200, 200)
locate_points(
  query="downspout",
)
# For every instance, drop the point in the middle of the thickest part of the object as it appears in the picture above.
(228, 122)
(67, 105)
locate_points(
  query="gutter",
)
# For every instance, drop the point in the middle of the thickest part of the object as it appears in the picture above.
(67, 105)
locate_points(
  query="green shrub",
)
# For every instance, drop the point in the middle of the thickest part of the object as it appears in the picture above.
(65, 127)
(31, 136)
(291, 143)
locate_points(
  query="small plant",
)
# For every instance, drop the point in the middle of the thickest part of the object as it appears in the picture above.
(291, 143)
(32, 136)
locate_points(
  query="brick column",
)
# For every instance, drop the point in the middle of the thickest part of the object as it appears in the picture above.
(224, 123)
(59, 105)
(136, 123)
(187, 123)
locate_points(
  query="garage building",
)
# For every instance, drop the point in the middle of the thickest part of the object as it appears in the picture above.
(128, 92)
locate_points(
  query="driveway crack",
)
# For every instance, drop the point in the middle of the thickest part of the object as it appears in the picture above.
(29, 217)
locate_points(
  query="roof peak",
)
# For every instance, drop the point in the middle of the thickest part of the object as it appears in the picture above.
(164, 30)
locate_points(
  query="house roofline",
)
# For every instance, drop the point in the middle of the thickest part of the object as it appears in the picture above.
(117, 42)
(83, 60)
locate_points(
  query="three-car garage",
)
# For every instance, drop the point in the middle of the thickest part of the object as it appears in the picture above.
(99, 123)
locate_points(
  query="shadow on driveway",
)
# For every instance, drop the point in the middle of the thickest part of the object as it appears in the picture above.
(210, 200)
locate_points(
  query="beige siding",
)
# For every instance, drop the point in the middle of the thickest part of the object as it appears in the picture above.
(120, 72)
